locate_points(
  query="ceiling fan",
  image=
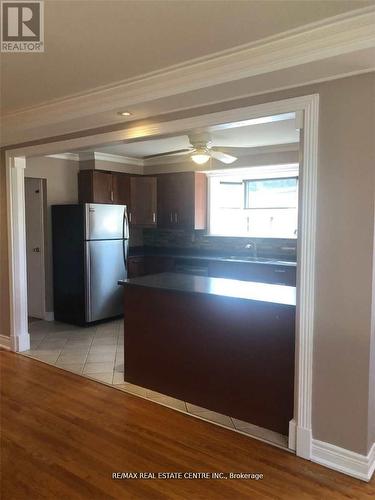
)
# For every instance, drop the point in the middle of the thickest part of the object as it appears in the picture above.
(200, 150)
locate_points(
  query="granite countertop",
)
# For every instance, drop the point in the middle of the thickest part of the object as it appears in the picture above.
(221, 258)
(248, 290)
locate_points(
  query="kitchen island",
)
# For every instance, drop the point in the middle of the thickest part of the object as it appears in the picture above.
(225, 345)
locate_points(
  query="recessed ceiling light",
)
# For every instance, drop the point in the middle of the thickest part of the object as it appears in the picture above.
(124, 113)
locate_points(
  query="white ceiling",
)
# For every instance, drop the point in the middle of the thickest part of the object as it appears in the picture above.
(249, 136)
(98, 43)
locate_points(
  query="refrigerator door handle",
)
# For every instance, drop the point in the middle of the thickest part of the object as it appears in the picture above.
(125, 236)
(125, 225)
(88, 283)
(124, 252)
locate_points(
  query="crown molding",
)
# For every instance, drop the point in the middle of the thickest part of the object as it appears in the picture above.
(140, 162)
(334, 36)
(94, 155)
(98, 156)
(65, 156)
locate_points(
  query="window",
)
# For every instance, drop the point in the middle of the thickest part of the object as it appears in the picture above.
(265, 207)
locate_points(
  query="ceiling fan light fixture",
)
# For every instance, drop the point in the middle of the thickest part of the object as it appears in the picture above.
(200, 156)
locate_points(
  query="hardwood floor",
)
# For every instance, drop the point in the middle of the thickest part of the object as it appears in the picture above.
(64, 435)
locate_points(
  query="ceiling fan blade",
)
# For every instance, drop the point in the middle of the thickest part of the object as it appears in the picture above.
(168, 153)
(223, 157)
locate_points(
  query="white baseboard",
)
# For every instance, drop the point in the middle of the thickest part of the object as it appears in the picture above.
(303, 442)
(5, 342)
(292, 435)
(345, 461)
(20, 343)
(49, 316)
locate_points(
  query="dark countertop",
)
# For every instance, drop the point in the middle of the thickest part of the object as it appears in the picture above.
(177, 254)
(248, 290)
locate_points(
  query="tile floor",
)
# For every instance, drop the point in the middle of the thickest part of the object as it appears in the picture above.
(97, 352)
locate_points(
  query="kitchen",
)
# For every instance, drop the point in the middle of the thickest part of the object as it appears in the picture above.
(168, 208)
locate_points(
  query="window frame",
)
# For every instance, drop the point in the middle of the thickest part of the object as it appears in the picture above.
(246, 181)
(209, 232)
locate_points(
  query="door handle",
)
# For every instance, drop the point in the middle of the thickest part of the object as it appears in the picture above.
(36, 249)
(153, 217)
(171, 217)
(175, 217)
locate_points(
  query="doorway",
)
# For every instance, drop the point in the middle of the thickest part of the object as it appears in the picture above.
(35, 223)
(300, 437)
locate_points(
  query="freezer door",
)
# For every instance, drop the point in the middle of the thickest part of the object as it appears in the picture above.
(105, 222)
(104, 267)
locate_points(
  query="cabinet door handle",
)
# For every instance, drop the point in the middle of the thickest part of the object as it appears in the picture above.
(111, 195)
(175, 217)
(130, 216)
(171, 217)
(279, 271)
(153, 217)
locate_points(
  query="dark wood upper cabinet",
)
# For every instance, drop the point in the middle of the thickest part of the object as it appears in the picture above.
(181, 200)
(172, 201)
(121, 188)
(96, 186)
(143, 201)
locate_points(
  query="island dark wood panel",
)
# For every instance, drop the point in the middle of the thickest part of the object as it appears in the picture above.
(229, 355)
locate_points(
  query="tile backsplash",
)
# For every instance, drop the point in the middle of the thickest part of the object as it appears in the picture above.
(199, 241)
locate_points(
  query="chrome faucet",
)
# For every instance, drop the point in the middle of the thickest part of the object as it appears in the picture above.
(253, 247)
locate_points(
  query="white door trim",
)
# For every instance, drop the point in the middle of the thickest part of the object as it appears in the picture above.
(19, 335)
(309, 105)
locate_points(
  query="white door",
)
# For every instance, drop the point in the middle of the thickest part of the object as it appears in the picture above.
(34, 204)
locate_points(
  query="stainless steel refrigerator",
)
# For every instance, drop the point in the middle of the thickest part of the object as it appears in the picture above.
(90, 249)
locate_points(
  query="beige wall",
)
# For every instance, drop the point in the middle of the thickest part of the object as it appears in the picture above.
(371, 414)
(62, 187)
(345, 232)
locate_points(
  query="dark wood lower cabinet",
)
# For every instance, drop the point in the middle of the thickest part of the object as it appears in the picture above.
(233, 356)
(262, 273)
(149, 264)
(136, 267)
(159, 264)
